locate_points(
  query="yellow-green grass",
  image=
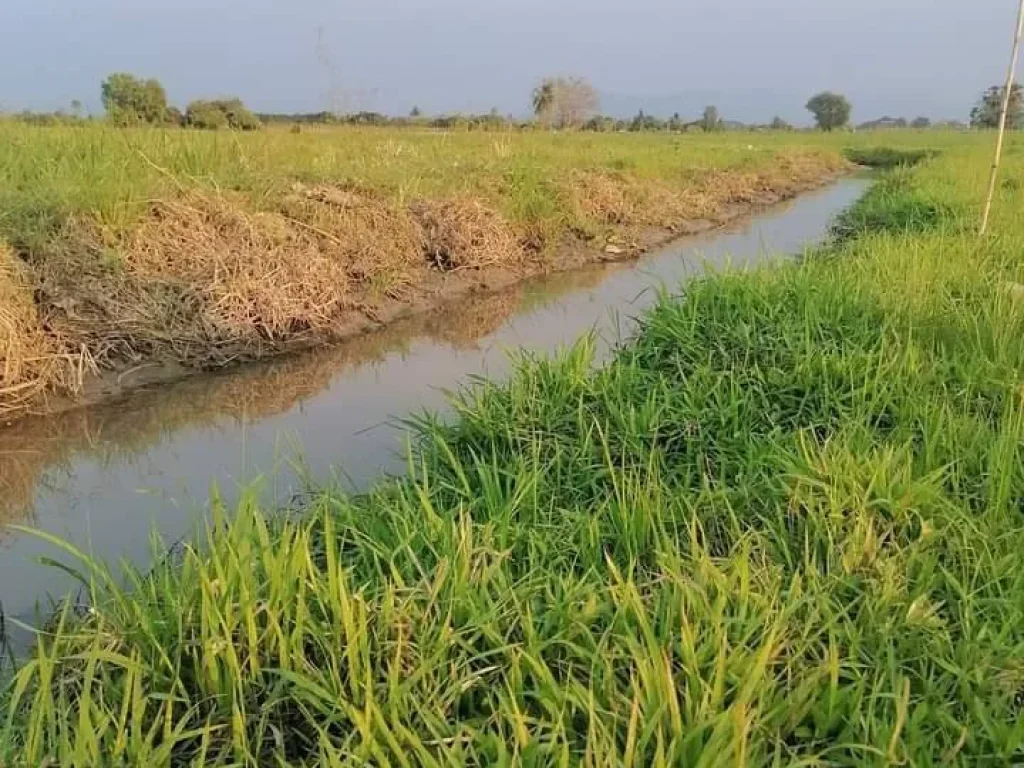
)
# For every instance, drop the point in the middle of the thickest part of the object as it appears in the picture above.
(782, 527)
(129, 245)
(113, 174)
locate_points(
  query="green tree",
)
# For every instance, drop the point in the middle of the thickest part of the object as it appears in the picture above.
(711, 120)
(544, 98)
(174, 116)
(987, 111)
(644, 122)
(129, 99)
(600, 124)
(778, 124)
(221, 113)
(415, 113)
(921, 122)
(830, 110)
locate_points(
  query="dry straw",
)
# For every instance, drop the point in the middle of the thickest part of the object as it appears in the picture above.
(32, 361)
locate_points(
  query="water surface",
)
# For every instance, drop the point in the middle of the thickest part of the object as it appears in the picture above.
(105, 478)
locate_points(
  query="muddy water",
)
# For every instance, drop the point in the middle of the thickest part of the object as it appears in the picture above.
(106, 478)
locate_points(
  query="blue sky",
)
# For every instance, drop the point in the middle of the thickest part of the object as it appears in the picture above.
(753, 58)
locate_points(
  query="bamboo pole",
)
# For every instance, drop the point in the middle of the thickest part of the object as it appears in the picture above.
(1010, 77)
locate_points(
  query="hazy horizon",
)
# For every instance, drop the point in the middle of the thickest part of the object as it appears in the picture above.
(901, 58)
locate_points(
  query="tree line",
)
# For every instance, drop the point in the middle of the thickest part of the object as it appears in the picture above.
(558, 103)
(130, 100)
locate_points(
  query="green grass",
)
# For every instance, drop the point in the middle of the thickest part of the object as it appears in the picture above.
(112, 174)
(900, 204)
(49, 173)
(782, 527)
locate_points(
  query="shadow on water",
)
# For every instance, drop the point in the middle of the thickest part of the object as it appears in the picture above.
(104, 478)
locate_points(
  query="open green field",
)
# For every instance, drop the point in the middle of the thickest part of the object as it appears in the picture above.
(782, 527)
(47, 174)
(115, 174)
(121, 247)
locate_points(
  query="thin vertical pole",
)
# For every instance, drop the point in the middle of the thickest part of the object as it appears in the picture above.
(1010, 77)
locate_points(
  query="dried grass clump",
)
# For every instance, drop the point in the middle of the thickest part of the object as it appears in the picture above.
(200, 281)
(604, 198)
(88, 294)
(373, 239)
(257, 278)
(665, 205)
(32, 360)
(792, 172)
(466, 234)
(735, 186)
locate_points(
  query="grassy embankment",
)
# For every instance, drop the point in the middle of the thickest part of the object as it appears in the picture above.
(783, 527)
(123, 247)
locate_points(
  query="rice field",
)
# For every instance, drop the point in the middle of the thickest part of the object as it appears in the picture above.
(782, 527)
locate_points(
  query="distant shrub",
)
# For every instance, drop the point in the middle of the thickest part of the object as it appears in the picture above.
(297, 117)
(989, 108)
(203, 114)
(174, 116)
(367, 118)
(888, 157)
(600, 124)
(645, 122)
(215, 114)
(129, 99)
(49, 118)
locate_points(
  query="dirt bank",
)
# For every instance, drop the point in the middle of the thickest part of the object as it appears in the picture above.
(204, 281)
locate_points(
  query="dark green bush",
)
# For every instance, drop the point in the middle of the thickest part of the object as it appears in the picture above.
(214, 114)
(888, 157)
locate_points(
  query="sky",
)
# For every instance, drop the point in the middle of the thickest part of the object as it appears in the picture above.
(751, 58)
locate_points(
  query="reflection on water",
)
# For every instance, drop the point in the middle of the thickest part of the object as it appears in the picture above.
(104, 478)
(38, 454)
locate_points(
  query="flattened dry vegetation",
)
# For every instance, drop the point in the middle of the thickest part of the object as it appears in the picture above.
(612, 199)
(467, 234)
(33, 360)
(375, 241)
(204, 275)
(196, 281)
